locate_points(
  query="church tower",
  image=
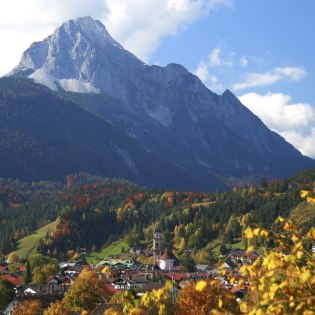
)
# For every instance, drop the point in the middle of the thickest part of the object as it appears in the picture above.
(157, 245)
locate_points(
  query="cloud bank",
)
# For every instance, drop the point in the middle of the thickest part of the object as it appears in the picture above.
(253, 79)
(294, 121)
(139, 25)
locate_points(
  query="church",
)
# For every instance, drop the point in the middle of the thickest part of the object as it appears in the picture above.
(165, 260)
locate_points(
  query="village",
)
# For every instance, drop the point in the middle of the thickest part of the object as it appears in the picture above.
(126, 273)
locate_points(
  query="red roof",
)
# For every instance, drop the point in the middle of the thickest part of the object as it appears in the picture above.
(111, 289)
(13, 280)
(176, 276)
(168, 256)
(236, 288)
(22, 268)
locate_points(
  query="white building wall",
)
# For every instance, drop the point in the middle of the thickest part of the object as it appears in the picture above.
(167, 264)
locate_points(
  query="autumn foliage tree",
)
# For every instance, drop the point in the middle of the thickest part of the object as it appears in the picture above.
(27, 307)
(58, 308)
(156, 302)
(205, 298)
(86, 292)
(284, 281)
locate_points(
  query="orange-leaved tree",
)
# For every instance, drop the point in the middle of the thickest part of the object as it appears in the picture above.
(27, 307)
(86, 292)
(205, 297)
(58, 308)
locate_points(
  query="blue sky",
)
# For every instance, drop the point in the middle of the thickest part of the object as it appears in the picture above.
(263, 51)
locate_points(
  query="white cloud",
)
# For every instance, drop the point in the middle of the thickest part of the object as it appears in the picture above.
(244, 61)
(215, 59)
(138, 25)
(294, 121)
(304, 142)
(23, 22)
(208, 79)
(252, 79)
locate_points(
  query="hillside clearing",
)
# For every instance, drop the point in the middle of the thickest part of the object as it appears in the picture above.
(28, 244)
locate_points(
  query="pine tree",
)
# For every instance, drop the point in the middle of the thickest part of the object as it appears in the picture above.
(28, 277)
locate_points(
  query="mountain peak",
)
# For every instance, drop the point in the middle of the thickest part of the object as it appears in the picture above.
(77, 57)
(227, 93)
(94, 30)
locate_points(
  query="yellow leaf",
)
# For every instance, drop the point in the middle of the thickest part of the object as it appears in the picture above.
(299, 254)
(311, 233)
(304, 193)
(200, 286)
(283, 284)
(220, 304)
(250, 248)
(288, 226)
(299, 306)
(298, 246)
(264, 233)
(312, 280)
(289, 258)
(244, 307)
(249, 233)
(310, 199)
(274, 288)
(256, 231)
(294, 238)
(305, 276)
(280, 219)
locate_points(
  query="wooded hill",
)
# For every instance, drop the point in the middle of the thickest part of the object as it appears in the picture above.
(93, 211)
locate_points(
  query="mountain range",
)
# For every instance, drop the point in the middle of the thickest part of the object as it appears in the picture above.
(78, 101)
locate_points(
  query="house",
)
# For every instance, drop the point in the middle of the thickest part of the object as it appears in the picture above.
(135, 250)
(14, 279)
(128, 282)
(33, 289)
(152, 267)
(44, 299)
(4, 270)
(22, 269)
(229, 265)
(177, 277)
(69, 278)
(203, 268)
(239, 292)
(250, 256)
(120, 264)
(235, 253)
(147, 252)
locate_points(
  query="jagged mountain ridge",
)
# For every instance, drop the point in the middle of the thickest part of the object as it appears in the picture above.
(166, 109)
(44, 136)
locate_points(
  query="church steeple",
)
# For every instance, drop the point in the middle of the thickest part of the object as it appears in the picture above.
(157, 245)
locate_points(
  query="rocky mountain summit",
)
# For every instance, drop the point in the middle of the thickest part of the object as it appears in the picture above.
(211, 138)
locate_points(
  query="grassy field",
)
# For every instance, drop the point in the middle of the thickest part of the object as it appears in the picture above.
(236, 244)
(27, 245)
(203, 204)
(114, 249)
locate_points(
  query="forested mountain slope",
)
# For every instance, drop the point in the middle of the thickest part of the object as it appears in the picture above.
(96, 211)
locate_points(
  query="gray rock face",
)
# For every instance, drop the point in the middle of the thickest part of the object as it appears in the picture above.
(167, 109)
